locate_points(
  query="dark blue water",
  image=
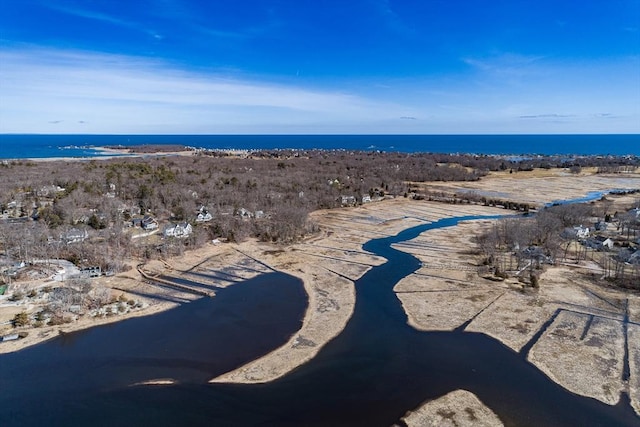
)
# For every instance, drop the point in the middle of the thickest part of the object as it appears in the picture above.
(42, 146)
(370, 375)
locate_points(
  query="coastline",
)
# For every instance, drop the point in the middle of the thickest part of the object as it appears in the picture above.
(104, 153)
(504, 145)
(459, 408)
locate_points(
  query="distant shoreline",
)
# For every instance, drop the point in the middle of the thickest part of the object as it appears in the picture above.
(23, 146)
(104, 153)
(162, 150)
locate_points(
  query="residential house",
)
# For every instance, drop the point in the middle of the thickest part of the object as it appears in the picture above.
(243, 213)
(12, 210)
(599, 243)
(79, 218)
(203, 215)
(179, 230)
(15, 268)
(606, 244)
(347, 200)
(366, 199)
(581, 232)
(89, 272)
(49, 191)
(576, 232)
(629, 256)
(75, 235)
(536, 253)
(601, 226)
(149, 223)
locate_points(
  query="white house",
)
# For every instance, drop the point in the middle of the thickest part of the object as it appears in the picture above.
(49, 190)
(599, 243)
(607, 244)
(366, 199)
(581, 232)
(75, 235)
(243, 213)
(180, 230)
(347, 200)
(203, 216)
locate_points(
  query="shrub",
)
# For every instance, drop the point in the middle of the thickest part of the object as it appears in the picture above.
(500, 273)
(17, 296)
(534, 280)
(56, 320)
(21, 319)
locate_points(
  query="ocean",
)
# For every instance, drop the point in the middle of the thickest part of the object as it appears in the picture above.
(22, 146)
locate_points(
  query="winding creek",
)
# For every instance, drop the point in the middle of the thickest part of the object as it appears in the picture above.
(376, 370)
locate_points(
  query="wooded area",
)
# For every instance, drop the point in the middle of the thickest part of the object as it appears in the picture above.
(567, 233)
(102, 212)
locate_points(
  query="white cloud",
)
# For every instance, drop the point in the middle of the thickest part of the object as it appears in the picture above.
(510, 66)
(119, 93)
(105, 18)
(55, 91)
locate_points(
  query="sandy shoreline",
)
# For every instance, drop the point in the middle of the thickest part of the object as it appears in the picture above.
(104, 153)
(108, 153)
(459, 408)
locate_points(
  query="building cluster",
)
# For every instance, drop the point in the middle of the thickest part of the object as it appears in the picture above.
(617, 235)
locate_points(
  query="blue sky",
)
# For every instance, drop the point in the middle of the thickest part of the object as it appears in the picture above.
(296, 66)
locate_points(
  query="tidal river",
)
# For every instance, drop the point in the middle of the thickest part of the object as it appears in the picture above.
(376, 370)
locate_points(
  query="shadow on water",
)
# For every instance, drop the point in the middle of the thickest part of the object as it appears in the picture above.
(371, 374)
(189, 344)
